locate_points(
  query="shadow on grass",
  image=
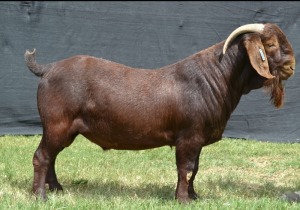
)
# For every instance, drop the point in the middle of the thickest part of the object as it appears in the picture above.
(243, 189)
(211, 189)
(112, 189)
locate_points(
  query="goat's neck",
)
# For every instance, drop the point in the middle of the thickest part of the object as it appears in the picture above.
(221, 79)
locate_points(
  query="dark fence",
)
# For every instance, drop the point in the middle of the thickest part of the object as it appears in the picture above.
(139, 34)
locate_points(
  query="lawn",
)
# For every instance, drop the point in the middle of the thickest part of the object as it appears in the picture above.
(233, 174)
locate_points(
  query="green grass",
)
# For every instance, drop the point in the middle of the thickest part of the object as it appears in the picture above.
(234, 174)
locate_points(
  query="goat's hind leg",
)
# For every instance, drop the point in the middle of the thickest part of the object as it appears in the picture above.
(40, 163)
(44, 163)
(51, 178)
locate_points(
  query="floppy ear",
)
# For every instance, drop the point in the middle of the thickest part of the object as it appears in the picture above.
(257, 56)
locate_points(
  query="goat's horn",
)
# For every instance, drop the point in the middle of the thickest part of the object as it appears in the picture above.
(255, 27)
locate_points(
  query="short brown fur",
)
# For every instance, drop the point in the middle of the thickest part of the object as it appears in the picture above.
(185, 105)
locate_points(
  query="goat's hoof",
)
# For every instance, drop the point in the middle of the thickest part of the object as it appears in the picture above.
(55, 187)
(41, 197)
(184, 199)
(193, 196)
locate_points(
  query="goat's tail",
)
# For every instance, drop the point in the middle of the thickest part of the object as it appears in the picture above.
(33, 66)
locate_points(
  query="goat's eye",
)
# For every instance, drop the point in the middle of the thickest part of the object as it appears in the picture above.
(270, 45)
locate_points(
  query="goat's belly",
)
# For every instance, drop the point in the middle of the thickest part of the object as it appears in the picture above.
(112, 130)
(130, 142)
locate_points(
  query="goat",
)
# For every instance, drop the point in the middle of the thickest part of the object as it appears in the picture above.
(185, 105)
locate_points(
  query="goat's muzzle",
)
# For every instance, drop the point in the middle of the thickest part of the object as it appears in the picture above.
(288, 70)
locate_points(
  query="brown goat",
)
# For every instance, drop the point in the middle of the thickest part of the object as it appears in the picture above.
(185, 105)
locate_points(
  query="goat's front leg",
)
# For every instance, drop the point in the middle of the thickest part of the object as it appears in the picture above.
(187, 159)
(191, 191)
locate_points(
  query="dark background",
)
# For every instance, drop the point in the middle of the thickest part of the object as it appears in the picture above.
(146, 34)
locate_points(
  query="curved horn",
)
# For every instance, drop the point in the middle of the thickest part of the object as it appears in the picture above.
(255, 27)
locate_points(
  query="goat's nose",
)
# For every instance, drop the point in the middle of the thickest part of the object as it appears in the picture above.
(293, 65)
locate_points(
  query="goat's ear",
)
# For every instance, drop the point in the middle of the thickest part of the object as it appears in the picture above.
(257, 56)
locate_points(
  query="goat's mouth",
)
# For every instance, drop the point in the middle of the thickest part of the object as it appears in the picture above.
(287, 71)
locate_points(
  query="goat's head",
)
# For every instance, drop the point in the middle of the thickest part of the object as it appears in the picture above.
(270, 54)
